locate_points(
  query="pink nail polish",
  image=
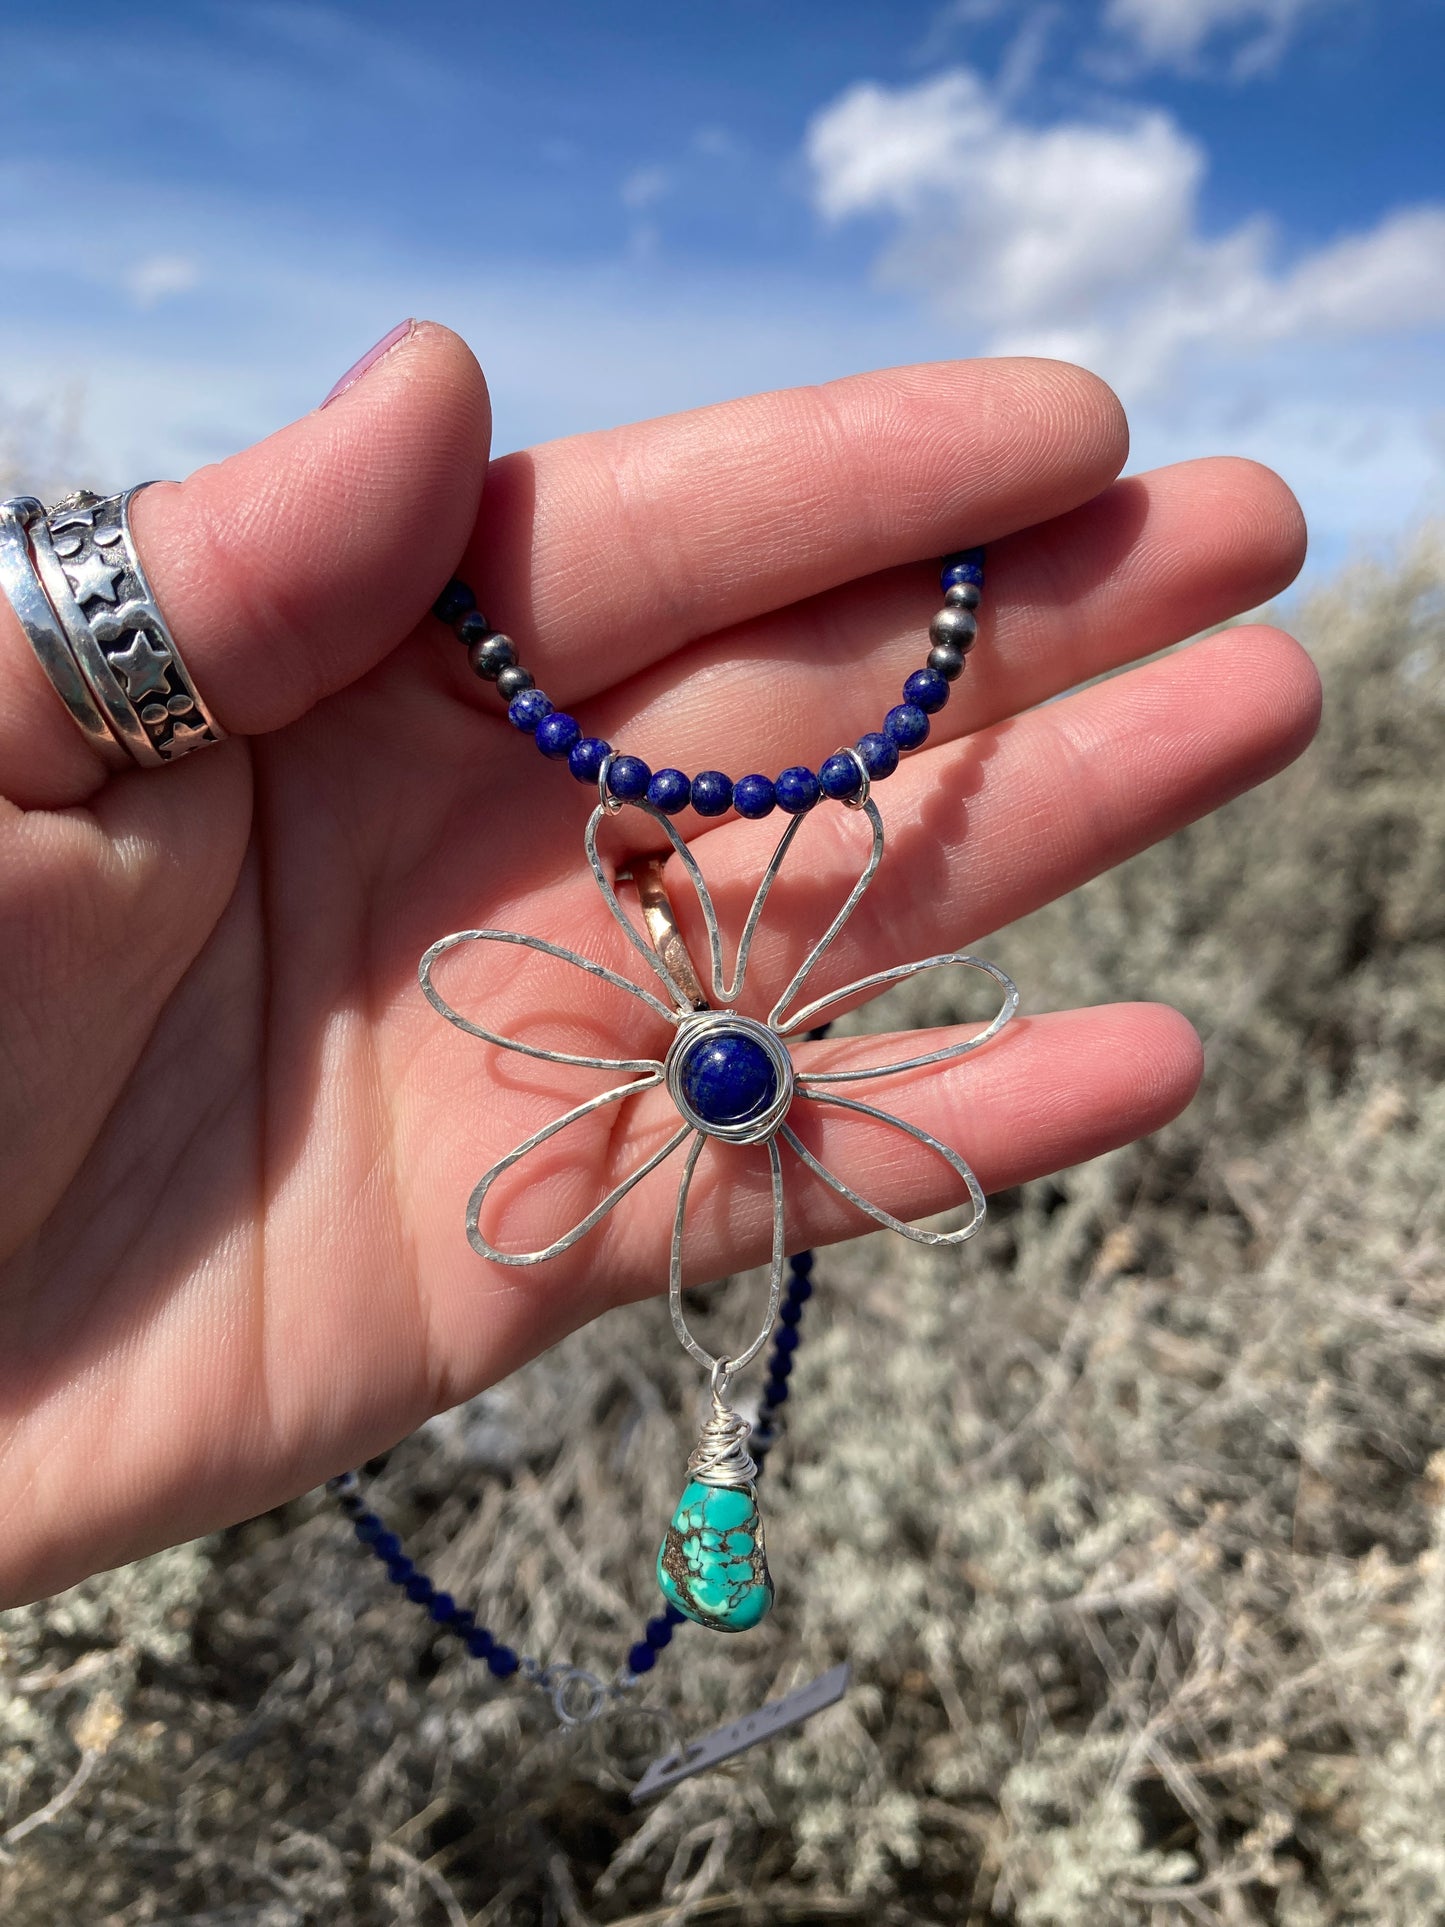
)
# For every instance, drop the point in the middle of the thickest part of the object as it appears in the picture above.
(370, 359)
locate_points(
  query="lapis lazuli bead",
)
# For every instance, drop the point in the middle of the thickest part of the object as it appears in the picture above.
(927, 690)
(712, 793)
(628, 778)
(585, 758)
(558, 734)
(961, 572)
(455, 601)
(906, 725)
(443, 1606)
(712, 1564)
(801, 1263)
(880, 755)
(728, 1078)
(526, 710)
(641, 1658)
(479, 1642)
(754, 797)
(502, 1661)
(797, 790)
(840, 777)
(669, 791)
(659, 1631)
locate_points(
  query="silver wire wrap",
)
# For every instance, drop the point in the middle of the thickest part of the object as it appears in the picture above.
(721, 1455)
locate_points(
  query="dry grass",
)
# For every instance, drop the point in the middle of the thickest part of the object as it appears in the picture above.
(1135, 1532)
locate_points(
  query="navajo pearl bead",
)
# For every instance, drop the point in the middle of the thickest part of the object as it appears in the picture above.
(927, 690)
(797, 790)
(963, 595)
(948, 659)
(958, 626)
(628, 778)
(669, 791)
(585, 758)
(840, 777)
(490, 654)
(513, 680)
(527, 709)
(712, 792)
(906, 725)
(558, 734)
(880, 756)
(753, 796)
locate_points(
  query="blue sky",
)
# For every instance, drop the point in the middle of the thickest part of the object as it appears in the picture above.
(1234, 209)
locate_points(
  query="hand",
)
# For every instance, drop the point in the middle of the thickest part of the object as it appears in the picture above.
(238, 1144)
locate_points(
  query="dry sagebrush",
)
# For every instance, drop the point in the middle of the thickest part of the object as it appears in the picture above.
(1132, 1523)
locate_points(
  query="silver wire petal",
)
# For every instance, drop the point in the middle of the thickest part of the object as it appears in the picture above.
(454, 1016)
(876, 1211)
(811, 1016)
(615, 1196)
(776, 1020)
(735, 1361)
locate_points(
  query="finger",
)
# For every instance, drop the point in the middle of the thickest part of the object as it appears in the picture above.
(1149, 561)
(603, 552)
(288, 570)
(1049, 1092)
(979, 832)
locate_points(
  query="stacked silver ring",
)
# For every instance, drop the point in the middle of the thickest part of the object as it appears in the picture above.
(75, 582)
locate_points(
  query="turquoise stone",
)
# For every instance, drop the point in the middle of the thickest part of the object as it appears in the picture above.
(712, 1565)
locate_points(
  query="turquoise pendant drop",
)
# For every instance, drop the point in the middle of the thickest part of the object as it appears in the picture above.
(712, 1564)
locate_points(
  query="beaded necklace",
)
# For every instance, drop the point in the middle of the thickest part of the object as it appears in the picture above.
(732, 1080)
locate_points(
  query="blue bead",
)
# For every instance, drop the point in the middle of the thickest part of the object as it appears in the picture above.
(399, 1570)
(558, 734)
(455, 601)
(628, 778)
(840, 777)
(503, 1661)
(800, 1290)
(785, 1340)
(368, 1527)
(673, 1614)
(728, 1078)
(926, 690)
(387, 1546)
(641, 1658)
(659, 1631)
(792, 1311)
(880, 756)
(712, 793)
(585, 759)
(782, 1364)
(797, 790)
(753, 796)
(961, 572)
(526, 710)
(801, 1263)
(464, 1623)
(479, 1642)
(776, 1391)
(443, 1607)
(906, 725)
(419, 1588)
(669, 791)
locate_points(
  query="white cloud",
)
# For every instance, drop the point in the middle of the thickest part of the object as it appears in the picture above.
(1176, 32)
(645, 186)
(1083, 239)
(156, 277)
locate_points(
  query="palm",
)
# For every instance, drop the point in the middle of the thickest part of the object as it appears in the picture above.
(238, 1253)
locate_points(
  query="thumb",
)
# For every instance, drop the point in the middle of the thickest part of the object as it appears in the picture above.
(287, 571)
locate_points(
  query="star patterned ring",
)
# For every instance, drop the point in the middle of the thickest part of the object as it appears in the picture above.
(105, 645)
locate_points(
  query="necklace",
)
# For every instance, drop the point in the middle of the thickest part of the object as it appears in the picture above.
(732, 1080)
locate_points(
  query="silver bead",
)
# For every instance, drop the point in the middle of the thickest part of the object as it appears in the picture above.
(963, 595)
(513, 680)
(948, 659)
(954, 625)
(490, 654)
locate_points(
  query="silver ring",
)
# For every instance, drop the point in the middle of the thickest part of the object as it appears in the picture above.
(23, 591)
(82, 563)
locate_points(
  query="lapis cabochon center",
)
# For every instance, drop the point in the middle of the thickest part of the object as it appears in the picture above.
(727, 1077)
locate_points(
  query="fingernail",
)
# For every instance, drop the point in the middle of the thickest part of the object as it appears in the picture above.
(370, 359)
